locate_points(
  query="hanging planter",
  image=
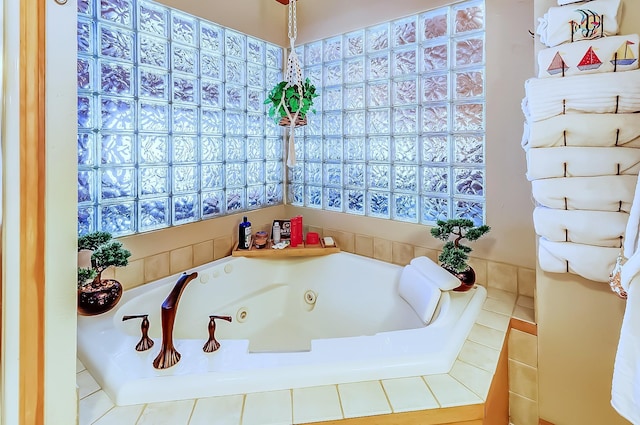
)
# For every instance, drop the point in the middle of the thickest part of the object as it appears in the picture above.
(291, 102)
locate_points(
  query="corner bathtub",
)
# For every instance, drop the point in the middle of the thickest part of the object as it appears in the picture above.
(297, 322)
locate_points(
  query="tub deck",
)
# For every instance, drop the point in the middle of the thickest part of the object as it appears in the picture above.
(472, 393)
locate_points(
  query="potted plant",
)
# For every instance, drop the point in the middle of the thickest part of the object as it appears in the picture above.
(97, 295)
(454, 255)
(286, 101)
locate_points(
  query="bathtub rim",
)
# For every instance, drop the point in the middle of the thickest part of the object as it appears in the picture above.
(129, 393)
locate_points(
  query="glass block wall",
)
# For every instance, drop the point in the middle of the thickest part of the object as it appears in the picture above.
(400, 128)
(172, 125)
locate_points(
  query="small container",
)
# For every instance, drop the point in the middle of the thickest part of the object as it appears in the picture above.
(260, 239)
(313, 238)
(275, 233)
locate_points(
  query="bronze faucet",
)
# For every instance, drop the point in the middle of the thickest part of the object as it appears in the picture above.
(168, 355)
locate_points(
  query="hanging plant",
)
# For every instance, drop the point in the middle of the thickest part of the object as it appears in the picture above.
(287, 99)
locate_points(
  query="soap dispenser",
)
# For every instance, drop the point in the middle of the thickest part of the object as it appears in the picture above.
(244, 234)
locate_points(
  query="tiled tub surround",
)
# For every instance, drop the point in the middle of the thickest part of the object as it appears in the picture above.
(355, 327)
(459, 396)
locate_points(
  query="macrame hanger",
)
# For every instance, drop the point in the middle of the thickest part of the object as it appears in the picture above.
(293, 77)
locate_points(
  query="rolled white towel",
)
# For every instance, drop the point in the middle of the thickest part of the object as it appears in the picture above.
(421, 294)
(601, 193)
(586, 21)
(606, 93)
(591, 130)
(591, 262)
(544, 163)
(597, 228)
(435, 273)
(608, 54)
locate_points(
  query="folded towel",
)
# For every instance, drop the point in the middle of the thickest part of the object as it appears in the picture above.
(586, 21)
(597, 228)
(607, 93)
(591, 262)
(601, 193)
(421, 294)
(583, 130)
(607, 54)
(543, 163)
(625, 386)
(435, 273)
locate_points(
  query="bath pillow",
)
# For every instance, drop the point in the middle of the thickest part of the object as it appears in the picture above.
(435, 273)
(421, 294)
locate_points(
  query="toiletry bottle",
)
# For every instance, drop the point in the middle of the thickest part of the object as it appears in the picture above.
(275, 233)
(244, 234)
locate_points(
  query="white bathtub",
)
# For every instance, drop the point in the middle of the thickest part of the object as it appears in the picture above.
(296, 323)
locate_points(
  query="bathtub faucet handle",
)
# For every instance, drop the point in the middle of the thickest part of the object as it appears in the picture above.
(212, 344)
(145, 342)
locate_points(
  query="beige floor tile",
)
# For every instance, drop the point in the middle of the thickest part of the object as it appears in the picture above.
(226, 410)
(523, 313)
(86, 384)
(476, 379)
(522, 411)
(523, 347)
(121, 415)
(167, 413)
(316, 404)
(493, 320)
(487, 336)
(480, 356)
(523, 380)
(499, 306)
(268, 408)
(93, 407)
(449, 392)
(408, 394)
(363, 399)
(79, 366)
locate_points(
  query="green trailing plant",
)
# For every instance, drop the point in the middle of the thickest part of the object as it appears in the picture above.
(292, 100)
(454, 255)
(107, 252)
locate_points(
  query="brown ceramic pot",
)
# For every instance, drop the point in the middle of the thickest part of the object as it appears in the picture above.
(467, 278)
(98, 297)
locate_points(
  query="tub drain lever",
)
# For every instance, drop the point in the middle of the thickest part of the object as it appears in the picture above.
(145, 342)
(212, 344)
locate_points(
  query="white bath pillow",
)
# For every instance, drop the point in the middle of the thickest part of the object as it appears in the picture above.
(419, 292)
(435, 273)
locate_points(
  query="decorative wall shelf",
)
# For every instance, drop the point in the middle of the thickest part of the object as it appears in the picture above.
(302, 250)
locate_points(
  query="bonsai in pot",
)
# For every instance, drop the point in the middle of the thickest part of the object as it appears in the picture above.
(95, 294)
(454, 255)
(286, 99)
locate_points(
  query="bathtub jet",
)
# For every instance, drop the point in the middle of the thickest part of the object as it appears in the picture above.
(299, 322)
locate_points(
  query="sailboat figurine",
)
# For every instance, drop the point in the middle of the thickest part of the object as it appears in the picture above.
(590, 61)
(557, 65)
(624, 55)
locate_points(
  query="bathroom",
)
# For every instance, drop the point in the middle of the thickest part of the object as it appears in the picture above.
(573, 388)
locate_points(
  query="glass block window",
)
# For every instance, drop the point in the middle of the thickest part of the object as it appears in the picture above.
(171, 122)
(400, 128)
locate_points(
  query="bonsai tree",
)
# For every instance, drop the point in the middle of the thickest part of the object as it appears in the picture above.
(282, 99)
(454, 255)
(106, 253)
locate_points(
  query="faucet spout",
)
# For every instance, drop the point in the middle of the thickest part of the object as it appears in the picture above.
(168, 355)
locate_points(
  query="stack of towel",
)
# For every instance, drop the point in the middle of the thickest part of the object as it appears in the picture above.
(582, 136)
